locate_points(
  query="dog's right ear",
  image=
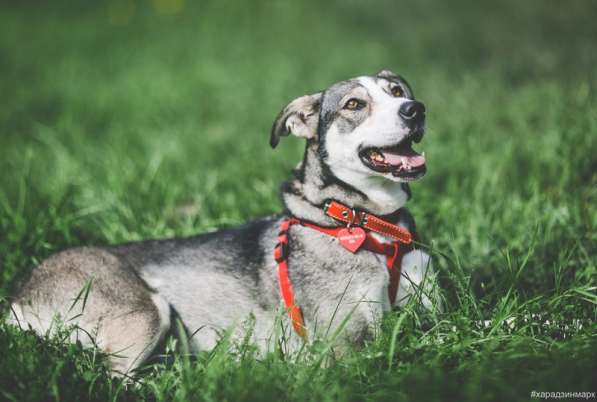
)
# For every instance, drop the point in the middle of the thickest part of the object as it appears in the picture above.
(300, 117)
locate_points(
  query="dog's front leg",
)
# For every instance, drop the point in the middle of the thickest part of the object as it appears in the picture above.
(418, 280)
(367, 305)
(353, 317)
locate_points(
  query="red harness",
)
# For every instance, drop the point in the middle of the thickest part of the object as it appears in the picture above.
(356, 235)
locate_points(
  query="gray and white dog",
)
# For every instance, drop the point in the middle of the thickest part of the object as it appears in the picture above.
(359, 134)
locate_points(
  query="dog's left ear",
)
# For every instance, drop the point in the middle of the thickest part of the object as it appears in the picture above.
(387, 74)
(299, 117)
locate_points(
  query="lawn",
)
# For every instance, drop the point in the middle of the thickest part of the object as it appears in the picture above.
(128, 120)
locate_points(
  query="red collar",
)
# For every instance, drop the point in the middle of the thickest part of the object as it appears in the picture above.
(360, 224)
(367, 221)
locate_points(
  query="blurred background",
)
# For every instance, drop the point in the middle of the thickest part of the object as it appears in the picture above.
(123, 120)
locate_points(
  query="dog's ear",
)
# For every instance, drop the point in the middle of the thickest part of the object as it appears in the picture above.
(299, 117)
(387, 74)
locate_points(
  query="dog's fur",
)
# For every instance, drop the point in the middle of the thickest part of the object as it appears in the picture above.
(214, 281)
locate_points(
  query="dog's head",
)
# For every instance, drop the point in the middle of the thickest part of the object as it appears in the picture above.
(363, 127)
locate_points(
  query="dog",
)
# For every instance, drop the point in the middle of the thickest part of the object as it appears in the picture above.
(358, 160)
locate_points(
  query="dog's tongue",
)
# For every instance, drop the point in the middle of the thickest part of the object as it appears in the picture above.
(403, 157)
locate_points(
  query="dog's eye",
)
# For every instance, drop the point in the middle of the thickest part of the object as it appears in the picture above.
(353, 104)
(397, 91)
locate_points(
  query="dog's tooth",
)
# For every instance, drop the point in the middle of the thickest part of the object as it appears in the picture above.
(376, 156)
(423, 154)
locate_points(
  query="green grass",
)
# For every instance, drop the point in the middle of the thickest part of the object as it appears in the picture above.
(120, 123)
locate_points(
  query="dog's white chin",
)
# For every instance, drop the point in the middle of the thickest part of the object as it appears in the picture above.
(383, 189)
(391, 177)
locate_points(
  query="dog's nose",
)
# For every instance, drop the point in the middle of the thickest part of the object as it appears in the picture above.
(413, 112)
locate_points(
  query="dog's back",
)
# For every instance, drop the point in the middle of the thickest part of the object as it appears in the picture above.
(120, 297)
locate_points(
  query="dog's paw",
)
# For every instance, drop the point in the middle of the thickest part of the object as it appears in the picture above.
(418, 280)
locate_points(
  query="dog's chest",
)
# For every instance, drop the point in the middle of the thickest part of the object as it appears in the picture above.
(318, 260)
(329, 280)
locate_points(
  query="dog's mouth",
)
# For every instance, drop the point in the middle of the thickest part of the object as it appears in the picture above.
(400, 160)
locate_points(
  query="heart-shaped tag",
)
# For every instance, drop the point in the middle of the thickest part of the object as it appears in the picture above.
(352, 239)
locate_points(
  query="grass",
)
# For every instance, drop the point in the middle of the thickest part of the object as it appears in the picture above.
(130, 120)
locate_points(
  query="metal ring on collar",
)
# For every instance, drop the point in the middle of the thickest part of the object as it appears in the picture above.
(352, 220)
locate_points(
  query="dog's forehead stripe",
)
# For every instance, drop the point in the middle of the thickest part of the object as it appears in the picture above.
(336, 92)
(373, 86)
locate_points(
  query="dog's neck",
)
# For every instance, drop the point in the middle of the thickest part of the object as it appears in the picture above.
(313, 184)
